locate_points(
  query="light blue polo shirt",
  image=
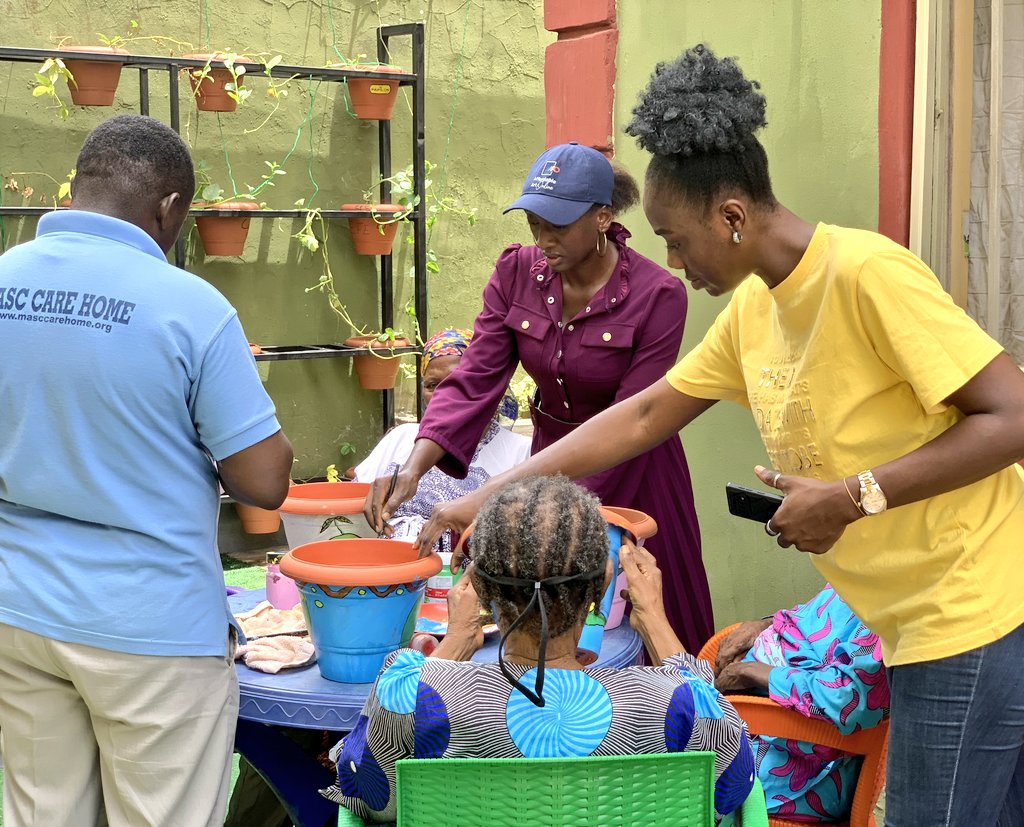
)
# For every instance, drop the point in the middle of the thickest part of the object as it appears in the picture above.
(121, 376)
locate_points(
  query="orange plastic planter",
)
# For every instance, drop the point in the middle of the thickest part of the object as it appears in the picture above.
(95, 81)
(315, 498)
(372, 98)
(637, 523)
(359, 562)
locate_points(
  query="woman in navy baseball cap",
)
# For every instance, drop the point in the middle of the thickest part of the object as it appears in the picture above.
(593, 322)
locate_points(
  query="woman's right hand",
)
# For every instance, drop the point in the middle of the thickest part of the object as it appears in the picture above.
(454, 515)
(737, 643)
(376, 510)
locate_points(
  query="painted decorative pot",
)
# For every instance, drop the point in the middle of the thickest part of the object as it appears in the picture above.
(643, 526)
(361, 598)
(325, 511)
(608, 615)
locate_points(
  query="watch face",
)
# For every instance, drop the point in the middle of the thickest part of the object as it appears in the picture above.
(873, 502)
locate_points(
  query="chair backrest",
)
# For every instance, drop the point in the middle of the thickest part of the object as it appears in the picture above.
(611, 791)
(765, 717)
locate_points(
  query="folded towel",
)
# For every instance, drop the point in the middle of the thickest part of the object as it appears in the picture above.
(272, 654)
(263, 620)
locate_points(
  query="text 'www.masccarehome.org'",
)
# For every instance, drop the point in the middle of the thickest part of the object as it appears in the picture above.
(105, 327)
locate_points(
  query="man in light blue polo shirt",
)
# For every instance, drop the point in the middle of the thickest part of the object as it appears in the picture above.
(127, 393)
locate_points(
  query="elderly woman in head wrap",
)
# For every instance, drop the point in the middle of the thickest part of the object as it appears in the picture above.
(499, 449)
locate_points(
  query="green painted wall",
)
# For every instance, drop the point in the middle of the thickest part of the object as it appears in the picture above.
(484, 77)
(818, 66)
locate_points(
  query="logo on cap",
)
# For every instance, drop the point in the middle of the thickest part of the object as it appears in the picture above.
(550, 168)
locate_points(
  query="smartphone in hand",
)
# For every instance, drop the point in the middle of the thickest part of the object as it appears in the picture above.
(759, 506)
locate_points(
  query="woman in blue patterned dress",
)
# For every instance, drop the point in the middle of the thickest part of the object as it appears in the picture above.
(540, 557)
(817, 659)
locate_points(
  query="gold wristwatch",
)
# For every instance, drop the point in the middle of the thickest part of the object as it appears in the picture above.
(872, 499)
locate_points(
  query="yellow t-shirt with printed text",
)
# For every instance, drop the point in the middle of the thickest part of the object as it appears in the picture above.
(845, 366)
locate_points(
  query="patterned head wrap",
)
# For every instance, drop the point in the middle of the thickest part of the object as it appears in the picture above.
(453, 342)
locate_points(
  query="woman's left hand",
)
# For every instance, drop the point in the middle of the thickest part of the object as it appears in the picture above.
(743, 675)
(813, 515)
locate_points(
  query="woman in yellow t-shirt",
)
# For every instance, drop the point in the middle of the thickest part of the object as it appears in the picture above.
(891, 420)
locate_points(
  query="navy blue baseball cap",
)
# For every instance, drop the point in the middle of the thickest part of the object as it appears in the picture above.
(565, 182)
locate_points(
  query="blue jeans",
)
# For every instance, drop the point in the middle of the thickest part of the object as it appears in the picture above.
(956, 739)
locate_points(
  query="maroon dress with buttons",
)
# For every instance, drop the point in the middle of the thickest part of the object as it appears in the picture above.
(622, 342)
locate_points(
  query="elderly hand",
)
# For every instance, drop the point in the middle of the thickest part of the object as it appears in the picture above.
(739, 676)
(454, 515)
(813, 515)
(643, 583)
(465, 623)
(735, 645)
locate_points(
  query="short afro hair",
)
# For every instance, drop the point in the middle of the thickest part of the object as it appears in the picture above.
(135, 156)
(697, 117)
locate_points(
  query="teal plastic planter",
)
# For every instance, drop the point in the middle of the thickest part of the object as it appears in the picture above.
(361, 598)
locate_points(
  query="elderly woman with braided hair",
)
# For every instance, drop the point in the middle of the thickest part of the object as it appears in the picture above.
(537, 701)
(893, 422)
(497, 451)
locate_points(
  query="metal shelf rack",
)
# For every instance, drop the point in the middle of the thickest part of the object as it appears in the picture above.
(171, 66)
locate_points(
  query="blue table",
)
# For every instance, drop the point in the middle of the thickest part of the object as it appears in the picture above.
(302, 698)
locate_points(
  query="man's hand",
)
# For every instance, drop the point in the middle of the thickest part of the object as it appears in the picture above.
(737, 643)
(738, 676)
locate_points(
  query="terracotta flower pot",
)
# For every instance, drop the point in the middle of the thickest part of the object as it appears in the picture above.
(369, 236)
(372, 98)
(376, 373)
(210, 94)
(361, 598)
(95, 80)
(258, 520)
(224, 235)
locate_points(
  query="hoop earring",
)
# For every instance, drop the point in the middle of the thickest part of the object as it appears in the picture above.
(602, 250)
(736, 237)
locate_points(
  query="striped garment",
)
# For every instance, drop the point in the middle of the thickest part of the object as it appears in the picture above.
(432, 708)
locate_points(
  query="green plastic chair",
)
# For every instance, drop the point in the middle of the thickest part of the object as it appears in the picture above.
(608, 791)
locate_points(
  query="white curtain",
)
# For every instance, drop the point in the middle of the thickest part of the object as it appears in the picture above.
(1009, 327)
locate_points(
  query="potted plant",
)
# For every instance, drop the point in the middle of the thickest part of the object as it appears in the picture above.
(372, 98)
(376, 370)
(93, 82)
(224, 235)
(374, 235)
(218, 88)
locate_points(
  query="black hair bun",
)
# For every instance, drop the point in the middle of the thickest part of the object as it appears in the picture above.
(697, 104)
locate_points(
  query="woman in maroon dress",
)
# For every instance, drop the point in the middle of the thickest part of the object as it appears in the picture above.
(593, 322)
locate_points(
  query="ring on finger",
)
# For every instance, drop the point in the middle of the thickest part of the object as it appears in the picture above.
(775, 479)
(770, 530)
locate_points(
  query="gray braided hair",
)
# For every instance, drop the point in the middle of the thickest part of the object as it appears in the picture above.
(536, 528)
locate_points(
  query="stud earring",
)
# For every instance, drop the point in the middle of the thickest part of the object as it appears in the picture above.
(736, 237)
